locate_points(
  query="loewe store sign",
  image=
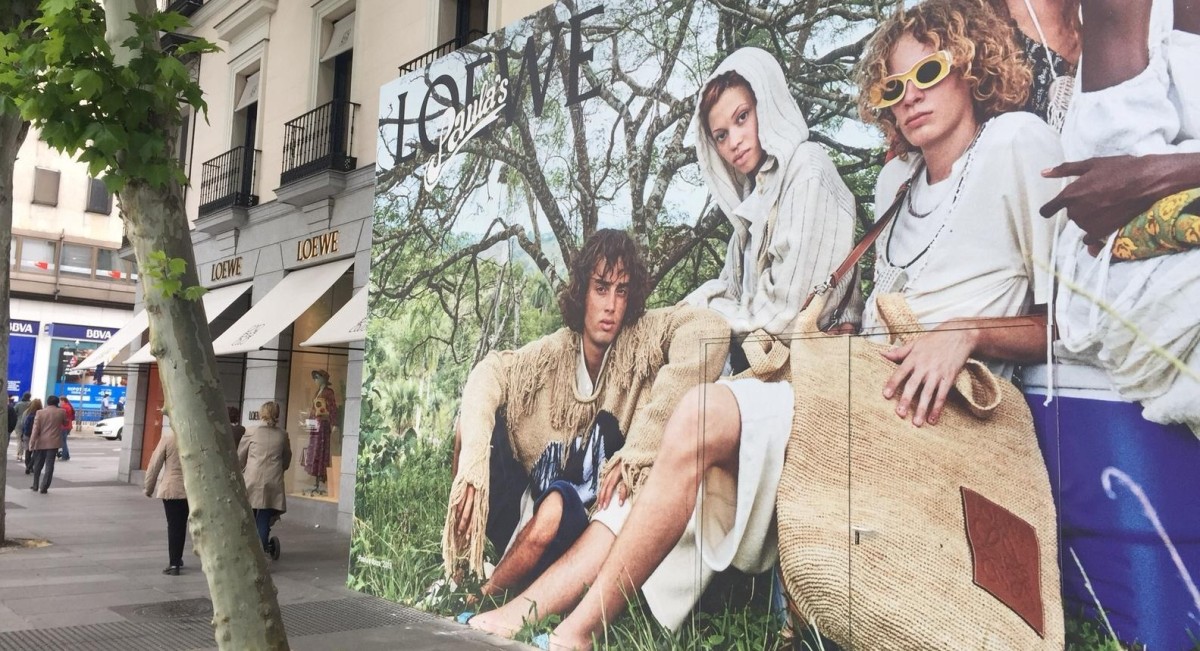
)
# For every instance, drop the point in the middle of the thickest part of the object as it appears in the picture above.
(227, 269)
(317, 246)
(323, 246)
(230, 270)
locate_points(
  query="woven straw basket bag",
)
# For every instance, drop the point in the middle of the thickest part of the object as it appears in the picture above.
(898, 537)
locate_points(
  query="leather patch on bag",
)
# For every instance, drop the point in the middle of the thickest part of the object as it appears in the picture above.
(1005, 560)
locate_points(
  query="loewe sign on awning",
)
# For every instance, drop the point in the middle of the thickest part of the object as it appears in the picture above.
(317, 246)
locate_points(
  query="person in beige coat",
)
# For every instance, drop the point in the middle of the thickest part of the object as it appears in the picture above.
(164, 480)
(45, 437)
(264, 454)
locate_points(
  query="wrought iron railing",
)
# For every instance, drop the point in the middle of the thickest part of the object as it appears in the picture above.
(228, 180)
(441, 51)
(319, 140)
(185, 7)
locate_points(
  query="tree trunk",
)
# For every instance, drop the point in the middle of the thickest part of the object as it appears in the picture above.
(12, 134)
(245, 609)
(246, 613)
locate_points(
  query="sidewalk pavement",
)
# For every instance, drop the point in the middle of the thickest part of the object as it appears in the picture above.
(99, 585)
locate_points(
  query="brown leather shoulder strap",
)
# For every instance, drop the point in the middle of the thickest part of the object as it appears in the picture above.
(865, 243)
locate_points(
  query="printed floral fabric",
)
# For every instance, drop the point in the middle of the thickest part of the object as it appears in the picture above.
(1171, 225)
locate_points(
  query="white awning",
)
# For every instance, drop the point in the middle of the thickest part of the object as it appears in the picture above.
(349, 324)
(280, 307)
(342, 39)
(109, 350)
(216, 301)
(249, 93)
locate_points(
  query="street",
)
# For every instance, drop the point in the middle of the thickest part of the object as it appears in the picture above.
(93, 579)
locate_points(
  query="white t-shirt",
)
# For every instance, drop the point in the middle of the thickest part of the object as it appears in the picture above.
(992, 256)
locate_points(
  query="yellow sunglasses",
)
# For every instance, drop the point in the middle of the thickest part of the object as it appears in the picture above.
(924, 74)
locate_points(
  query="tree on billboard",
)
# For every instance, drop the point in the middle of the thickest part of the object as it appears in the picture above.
(96, 82)
(472, 262)
(641, 51)
(14, 33)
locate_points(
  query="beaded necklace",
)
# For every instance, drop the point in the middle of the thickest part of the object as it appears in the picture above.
(895, 276)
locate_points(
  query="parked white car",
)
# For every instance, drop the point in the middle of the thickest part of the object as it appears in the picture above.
(110, 428)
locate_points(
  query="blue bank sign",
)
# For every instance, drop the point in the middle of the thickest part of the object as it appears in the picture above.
(22, 344)
(72, 331)
(21, 327)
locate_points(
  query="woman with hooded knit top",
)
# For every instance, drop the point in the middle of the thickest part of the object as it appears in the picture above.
(792, 216)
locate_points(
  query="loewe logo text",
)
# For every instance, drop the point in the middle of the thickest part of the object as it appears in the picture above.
(316, 246)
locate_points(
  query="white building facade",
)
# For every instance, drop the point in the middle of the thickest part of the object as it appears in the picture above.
(281, 198)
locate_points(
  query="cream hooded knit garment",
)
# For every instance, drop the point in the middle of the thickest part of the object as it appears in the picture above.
(799, 216)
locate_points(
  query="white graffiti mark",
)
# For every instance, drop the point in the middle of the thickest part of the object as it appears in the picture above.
(1106, 478)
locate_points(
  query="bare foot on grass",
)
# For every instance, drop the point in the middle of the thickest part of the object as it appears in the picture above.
(562, 642)
(494, 622)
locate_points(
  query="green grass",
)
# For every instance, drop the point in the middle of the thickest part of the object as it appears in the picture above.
(400, 505)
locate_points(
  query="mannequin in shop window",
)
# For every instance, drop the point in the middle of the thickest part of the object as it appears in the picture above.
(322, 417)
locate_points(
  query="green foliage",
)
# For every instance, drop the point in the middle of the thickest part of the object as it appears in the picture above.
(63, 77)
(166, 274)
(395, 553)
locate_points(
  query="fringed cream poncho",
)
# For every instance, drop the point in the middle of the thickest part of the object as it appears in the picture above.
(650, 366)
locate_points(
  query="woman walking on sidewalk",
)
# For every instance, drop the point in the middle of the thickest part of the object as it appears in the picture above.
(264, 454)
(164, 480)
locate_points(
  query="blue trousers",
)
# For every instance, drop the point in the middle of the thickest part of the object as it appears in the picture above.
(262, 518)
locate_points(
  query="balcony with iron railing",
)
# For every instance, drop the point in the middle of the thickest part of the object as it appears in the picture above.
(440, 51)
(228, 181)
(319, 141)
(227, 189)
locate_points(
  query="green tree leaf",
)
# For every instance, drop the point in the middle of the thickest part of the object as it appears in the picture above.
(88, 83)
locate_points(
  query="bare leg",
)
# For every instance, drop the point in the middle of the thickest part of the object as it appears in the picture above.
(532, 541)
(1115, 41)
(702, 435)
(557, 589)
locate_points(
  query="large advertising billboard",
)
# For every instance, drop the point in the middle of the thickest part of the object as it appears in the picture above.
(738, 325)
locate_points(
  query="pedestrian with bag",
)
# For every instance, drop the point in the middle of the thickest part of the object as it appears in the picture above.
(164, 480)
(44, 439)
(264, 454)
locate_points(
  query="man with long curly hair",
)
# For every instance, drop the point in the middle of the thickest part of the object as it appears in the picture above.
(548, 418)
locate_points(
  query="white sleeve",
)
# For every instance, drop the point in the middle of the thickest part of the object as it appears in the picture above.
(1147, 114)
(813, 232)
(1035, 147)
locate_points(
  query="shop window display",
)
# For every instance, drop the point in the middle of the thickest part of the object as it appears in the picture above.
(316, 395)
